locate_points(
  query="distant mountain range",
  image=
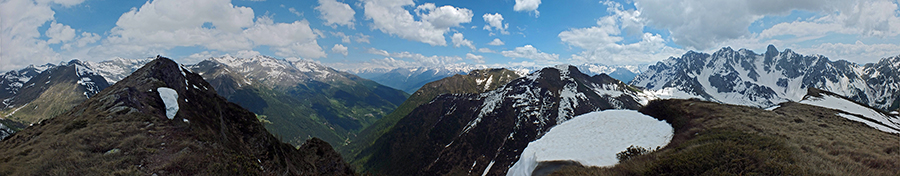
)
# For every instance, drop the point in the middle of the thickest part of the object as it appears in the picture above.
(411, 79)
(743, 77)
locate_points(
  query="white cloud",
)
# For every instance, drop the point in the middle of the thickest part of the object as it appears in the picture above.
(495, 21)
(344, 37)
(529, 52)
(59, 33)
(19, 36)
(858, 52)
(378, 52)
(161, 25)
(486, 50)
(361, 38)
(390, 17)
(82, 41)
(606, 32)
(496, 42)
(651, 48)
(804, 29)
(340, 49)
(701, 24)
(433, 60)
(444, 16)
(477, 58)
(197, 57)
(458, 40)
(603, 43)
(528, 5)
(246, 53)
(336, 13)
(295, 12)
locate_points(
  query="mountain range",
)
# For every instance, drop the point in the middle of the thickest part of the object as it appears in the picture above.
(471, 133)
(456, 121)
(410, 79)
(163, 119)
(743, 77)
(301, 99)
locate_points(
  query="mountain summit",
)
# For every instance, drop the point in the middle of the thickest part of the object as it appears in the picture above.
(162, 119)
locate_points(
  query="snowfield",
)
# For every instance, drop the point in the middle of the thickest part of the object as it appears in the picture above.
(886, 123)
(593, 139)
(170, 98)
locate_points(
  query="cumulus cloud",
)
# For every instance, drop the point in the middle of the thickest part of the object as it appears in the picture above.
(21, 41)
(340, 49)
(858, 52)
(528, 5)
(495, 22)
(477, 58)
(344, 37)
(164, 24)
(59, 33)
(83, 40)
(486, 50)
(336, 13)
(529, 52)
(458, 40)
(391, 17)
(496, 42)
(361, 38)
(701, 24)
(378, 52)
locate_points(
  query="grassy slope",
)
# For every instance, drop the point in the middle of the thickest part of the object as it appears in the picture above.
(796, 139)
(334, 111)
(454, 84)
(55, 100)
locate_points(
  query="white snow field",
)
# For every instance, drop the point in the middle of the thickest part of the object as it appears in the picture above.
(886, 123)
(593, 139)
(170, 98)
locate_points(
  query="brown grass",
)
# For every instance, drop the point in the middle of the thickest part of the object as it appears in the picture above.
(796, 139)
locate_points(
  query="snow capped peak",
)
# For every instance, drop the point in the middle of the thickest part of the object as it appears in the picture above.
(760, 80)
(117, 68)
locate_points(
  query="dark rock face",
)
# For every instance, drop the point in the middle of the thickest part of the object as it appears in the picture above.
(467, 133)
(745, 78)
(124, 129)
(884, 77)
(476, 81)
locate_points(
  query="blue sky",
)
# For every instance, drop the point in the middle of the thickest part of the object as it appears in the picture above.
(352, 34)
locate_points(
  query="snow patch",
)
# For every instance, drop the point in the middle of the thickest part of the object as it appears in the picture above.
(593, 139)
(887, 123)
(170, 98)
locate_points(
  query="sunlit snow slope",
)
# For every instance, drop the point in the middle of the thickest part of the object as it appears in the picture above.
(854, 111)
(593, 139)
